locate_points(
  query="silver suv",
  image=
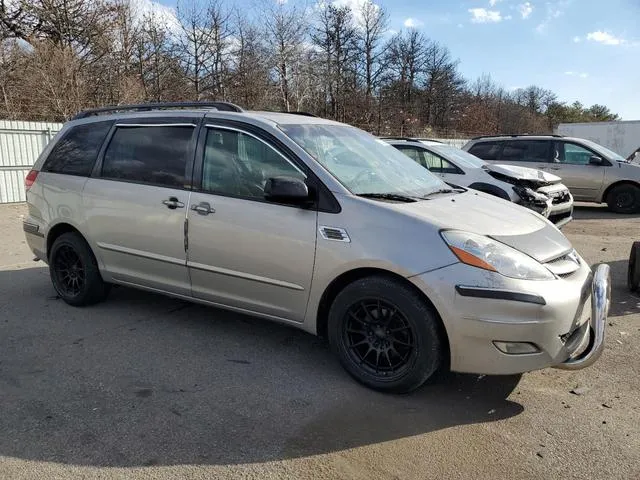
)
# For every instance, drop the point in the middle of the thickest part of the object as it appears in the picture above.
(592, 172)
(318, 225)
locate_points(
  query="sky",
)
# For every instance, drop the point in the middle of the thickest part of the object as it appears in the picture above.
(586, 50)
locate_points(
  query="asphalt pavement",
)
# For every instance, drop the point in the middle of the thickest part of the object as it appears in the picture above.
(147, 387)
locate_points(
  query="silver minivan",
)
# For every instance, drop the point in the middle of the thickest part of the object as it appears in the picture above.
(592, 172)
(318, 225)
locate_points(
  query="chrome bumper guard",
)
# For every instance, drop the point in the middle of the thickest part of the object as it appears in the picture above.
(600, 301)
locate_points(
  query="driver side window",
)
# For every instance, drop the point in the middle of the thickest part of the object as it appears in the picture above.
(238, 164)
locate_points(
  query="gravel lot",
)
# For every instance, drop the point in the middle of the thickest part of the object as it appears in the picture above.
(143, 386)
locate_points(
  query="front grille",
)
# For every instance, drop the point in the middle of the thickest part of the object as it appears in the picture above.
(562, 197)
(555, 218)
(564, 266)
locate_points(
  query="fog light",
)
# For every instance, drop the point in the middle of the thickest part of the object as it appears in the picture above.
(516, 348)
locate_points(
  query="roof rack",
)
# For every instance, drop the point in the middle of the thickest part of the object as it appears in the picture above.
(512, 135)
(145, 107)
(406, 139)
(304, 114)
(429, 140)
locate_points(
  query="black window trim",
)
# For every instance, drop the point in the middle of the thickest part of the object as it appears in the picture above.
(149, 123)
(65, 135)
(605, 161)
(324, 200)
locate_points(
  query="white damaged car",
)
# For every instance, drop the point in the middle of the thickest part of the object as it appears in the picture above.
(540, 191)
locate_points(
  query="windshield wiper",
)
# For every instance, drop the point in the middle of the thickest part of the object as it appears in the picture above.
(444, 190)
(389, 196)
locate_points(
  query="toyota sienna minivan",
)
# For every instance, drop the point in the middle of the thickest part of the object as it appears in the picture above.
(318, 225)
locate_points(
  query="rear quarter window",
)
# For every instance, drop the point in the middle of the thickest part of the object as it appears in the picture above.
(526, 151)
(486, 150)
(77, 150)
(151, 154)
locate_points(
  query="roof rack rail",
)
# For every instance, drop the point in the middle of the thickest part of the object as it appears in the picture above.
(304, 114)
(430, 140)
(512, 135)
(406, 139)
(145, 107)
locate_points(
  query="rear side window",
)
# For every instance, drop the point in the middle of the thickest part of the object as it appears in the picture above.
(526, 151)
(78, 149)
(156, 155)
(486, 150)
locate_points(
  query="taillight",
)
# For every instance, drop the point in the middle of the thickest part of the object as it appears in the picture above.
(30, 178)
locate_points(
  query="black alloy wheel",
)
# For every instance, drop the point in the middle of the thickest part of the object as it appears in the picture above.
(379, 338)
(74, 271)
(69, 271)
(386, 334)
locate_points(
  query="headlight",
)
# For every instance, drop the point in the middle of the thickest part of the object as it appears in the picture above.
(483, 252)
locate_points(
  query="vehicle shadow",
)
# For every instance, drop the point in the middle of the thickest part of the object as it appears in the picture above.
(593, 211)
(623, 301)
(142, 379)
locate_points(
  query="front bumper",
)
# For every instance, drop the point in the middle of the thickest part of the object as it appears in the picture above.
(600, 302)
(566, 327)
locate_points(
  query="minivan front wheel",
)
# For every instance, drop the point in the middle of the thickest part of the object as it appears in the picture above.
(624, 198)
(385, 334)
(74, 271)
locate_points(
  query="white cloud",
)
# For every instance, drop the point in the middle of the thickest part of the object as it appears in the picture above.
(577, 74)
(525, 9)
(356, 7)
(162, 14)
(413, 23)
(605, 38)
(492, 3)
(554, 11)
(482, 15)
(577, 39)
(508, 17)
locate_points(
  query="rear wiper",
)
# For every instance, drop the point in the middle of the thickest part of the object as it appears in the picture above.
(389, 196)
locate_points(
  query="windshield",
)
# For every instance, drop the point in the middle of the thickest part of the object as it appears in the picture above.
(459, 157)
(605, 152)
(363, 163)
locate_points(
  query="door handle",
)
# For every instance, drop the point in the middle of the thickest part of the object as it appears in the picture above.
(173, 203)
(203, 208)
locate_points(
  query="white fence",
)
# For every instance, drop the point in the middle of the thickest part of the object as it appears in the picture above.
(454, 142)
(22, 142)
(20, 145)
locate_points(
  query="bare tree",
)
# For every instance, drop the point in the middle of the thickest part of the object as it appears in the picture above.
(374, 24)
(285, 31)
(194, 45)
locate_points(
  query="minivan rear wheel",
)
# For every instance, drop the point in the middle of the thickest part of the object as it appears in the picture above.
(385, 334)
(624, 198)
(74, 271)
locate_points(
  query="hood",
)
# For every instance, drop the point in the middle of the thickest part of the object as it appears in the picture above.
(485, 214)
(532, 175)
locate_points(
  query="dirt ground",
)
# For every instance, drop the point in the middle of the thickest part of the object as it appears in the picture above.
(147, 387)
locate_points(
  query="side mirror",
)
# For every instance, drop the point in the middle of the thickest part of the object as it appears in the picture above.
(594, 160)
(286, 190)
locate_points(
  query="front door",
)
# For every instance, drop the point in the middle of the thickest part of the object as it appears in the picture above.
(244, 251)
(571, 163)
(136, 204)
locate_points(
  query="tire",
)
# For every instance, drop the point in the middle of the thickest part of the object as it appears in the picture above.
(74, 271)
(633, 270)
(624, 198)
(387, 316)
